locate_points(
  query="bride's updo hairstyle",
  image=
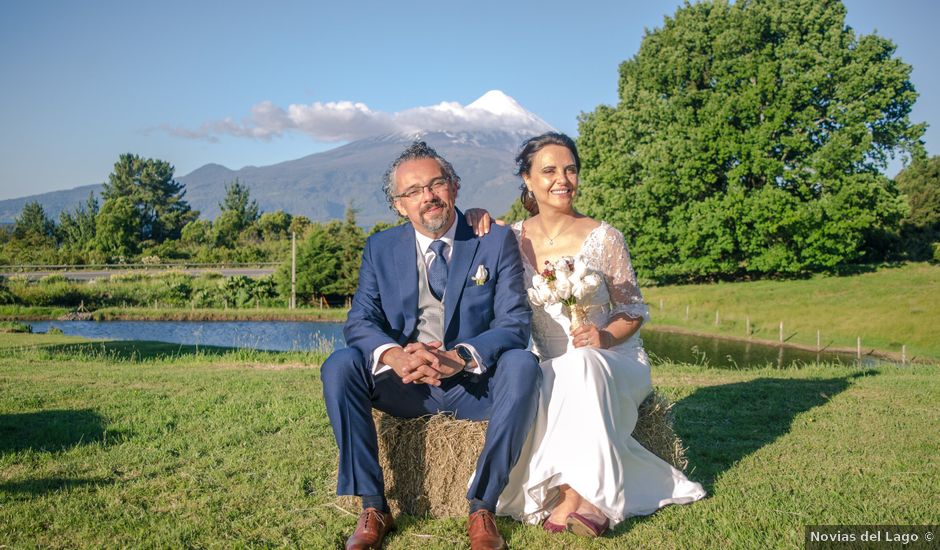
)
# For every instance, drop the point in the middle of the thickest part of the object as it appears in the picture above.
(524, 162)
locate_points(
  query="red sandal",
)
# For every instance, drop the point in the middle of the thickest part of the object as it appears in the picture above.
(582, 525)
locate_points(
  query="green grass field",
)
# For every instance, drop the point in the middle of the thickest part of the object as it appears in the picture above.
(144, 444)
(887, 308)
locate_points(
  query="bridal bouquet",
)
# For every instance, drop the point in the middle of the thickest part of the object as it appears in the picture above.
(568, 281)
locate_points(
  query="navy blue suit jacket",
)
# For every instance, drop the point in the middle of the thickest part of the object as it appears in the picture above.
(492, 317)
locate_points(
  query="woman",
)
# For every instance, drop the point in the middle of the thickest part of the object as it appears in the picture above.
(581, 470)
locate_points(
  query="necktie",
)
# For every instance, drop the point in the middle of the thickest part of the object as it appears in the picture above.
(437, 271)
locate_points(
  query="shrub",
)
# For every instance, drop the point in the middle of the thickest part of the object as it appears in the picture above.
(53, 279)
(150, 260)
(6, 297)
(128, 277)
(15, 326)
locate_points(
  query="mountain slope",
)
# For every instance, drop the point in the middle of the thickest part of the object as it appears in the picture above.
(52, 202)
(321, 185)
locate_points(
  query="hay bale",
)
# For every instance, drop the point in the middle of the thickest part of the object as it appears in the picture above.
(655, 432)
(427, 461)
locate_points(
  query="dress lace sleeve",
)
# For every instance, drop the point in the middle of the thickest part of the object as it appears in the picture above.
(625, 296)
(517, 229)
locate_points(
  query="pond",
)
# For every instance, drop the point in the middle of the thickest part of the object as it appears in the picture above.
(307, 335)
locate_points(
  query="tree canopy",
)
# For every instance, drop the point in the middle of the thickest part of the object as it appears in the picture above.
(328, 261)
(77, 228)
(157, 199)
(920, 183)
(751, 139)
(238, 213)
(33, 224)
(920, 227)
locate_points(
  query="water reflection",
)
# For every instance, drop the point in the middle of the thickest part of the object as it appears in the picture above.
(263, 335)
(724, 353)
(307, 335)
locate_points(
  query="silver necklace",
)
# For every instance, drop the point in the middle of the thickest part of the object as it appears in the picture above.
(550, 239)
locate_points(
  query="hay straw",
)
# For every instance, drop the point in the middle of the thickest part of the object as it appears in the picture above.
(655, 432)
(427, 461)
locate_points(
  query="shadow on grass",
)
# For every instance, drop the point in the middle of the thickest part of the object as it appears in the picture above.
(34, 487)
(136, 350)
(722, 424)
(54, 430)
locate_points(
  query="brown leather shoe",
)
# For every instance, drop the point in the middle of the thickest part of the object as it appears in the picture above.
(481, 526)
(371, 529)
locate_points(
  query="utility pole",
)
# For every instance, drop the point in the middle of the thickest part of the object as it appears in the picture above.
(293, 269)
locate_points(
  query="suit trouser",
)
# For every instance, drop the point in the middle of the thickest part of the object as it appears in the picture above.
(506, 395)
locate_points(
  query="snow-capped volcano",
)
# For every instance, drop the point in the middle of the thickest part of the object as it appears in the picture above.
(494, 111)
(514, 117)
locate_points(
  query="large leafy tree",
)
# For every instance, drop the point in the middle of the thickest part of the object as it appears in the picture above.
(274, 225)
(34, 225)
(751, 138)
(238, 213)
(31, 239)
(77, 228)
(328, 261)
(117, 229)
(158, 199)
(920, 184)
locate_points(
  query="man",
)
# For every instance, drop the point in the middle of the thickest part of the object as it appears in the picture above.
(439, 323)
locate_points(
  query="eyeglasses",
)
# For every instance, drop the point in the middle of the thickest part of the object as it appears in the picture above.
(436, 187)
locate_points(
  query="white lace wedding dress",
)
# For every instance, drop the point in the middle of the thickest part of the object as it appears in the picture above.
(588, 406)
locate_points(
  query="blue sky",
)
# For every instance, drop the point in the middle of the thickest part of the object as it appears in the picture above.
(84, 82)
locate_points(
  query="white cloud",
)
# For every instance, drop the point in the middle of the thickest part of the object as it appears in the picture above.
(348, 121)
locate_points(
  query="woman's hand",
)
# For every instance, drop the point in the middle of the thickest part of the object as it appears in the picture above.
(480, 220)
(589, 336)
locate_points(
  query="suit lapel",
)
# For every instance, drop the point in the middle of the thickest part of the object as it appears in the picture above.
(406, 271)
(465, 247)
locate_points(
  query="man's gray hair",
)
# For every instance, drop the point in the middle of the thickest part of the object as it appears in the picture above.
(417, 150)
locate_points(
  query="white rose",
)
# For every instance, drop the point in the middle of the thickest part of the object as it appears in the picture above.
(585, 286)
(564, 265)
(545, 294)
(534, 297)
(563, 286)
(577, 289)
(580, 269)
